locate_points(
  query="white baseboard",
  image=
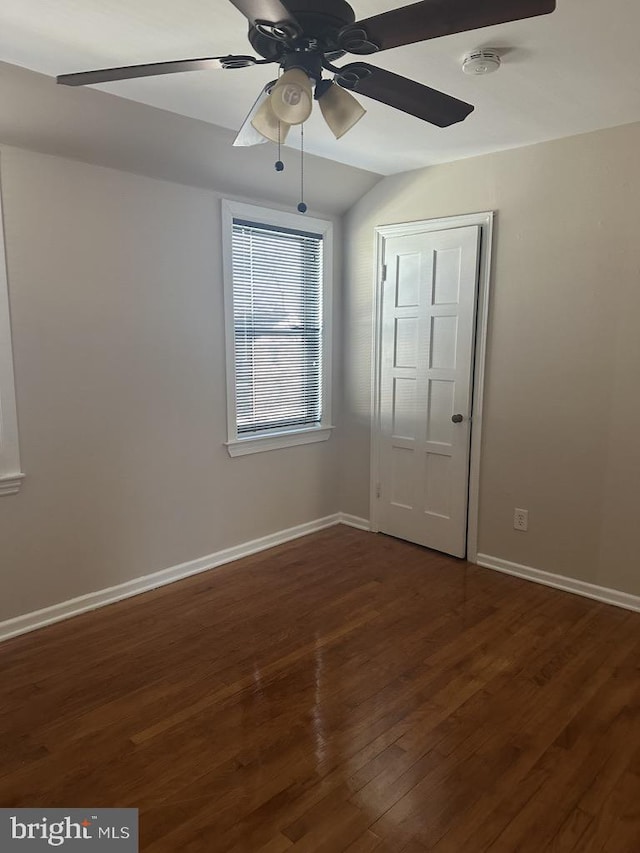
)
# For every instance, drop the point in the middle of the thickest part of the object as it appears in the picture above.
(75, 606)
(588, 590)
(354, 521)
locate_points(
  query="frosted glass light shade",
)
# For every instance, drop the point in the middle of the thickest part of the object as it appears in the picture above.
(248, 135)
(340, 110)
(266, 122)
(292, 97)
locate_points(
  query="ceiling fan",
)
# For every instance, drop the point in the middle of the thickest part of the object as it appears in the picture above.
(306, 37)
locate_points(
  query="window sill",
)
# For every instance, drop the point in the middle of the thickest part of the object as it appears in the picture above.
(10, 485)
(244, 446)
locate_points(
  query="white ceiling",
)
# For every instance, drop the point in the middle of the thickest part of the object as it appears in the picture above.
(563, 74)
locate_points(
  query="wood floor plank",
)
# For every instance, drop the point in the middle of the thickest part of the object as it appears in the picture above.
(278, 844)
(479, 745)
(563, 770)
(616, 826)
(342, 692)
(367, 843)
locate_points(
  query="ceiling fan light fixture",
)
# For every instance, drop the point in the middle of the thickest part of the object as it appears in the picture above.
(292, 97)
(267, 123)
(340, 109)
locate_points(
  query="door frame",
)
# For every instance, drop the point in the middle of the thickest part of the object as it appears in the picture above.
(485, 220)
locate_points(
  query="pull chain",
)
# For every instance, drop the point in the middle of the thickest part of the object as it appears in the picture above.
(302, 207)
(279, 163)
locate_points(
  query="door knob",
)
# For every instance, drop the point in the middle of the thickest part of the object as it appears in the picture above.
(457, 419)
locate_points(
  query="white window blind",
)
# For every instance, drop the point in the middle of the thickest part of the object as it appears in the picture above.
(277, 316)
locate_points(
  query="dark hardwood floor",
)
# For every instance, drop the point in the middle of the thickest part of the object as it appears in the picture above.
(344, 692)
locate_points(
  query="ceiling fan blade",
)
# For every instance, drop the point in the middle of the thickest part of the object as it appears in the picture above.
(433, 18)
(270, 16)
(128, 72)
(403, 94)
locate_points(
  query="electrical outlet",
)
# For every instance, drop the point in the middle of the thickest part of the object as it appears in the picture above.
(521, 519)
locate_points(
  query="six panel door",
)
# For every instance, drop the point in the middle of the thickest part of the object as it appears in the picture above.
(427, 348)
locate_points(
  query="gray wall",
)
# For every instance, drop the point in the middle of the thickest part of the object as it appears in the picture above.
(562, 414)
(96, 127)
(117, 311)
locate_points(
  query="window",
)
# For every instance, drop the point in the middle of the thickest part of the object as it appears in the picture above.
(278, 307)
(10, 475)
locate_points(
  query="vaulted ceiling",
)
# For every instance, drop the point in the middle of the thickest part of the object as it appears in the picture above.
(566, 73)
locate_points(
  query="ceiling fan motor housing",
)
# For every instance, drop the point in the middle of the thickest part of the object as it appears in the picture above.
(321, 22)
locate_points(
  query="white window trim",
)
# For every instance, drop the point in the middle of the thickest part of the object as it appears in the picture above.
(10, 474)
(282, 438)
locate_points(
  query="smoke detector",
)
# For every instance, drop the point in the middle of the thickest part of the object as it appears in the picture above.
(481, 62)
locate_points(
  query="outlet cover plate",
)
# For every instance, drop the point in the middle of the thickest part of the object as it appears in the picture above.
(521, 519)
